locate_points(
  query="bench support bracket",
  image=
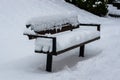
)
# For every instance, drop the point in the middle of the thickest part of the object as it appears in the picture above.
(81, 54)
(49, 63)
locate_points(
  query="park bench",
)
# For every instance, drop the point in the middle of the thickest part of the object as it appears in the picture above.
(54, 41)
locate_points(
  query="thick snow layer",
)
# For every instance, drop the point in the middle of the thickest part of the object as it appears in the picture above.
(28, 31)
(115, 12)
(66, 39)
(17, 58)
(53, 21)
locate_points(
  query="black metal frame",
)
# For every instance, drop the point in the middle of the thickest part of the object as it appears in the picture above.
(82, 49)
(49, 62)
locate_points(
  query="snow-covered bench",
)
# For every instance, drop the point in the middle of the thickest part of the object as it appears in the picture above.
(57, 34)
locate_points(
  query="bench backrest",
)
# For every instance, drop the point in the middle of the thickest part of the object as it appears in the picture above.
(55, 30)
(53, 23)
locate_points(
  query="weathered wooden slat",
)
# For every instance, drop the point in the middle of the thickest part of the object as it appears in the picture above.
(65, 27)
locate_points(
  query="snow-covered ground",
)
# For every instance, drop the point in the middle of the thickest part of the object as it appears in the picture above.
(19, 62)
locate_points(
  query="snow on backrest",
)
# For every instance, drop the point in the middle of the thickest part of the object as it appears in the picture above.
(52, 21)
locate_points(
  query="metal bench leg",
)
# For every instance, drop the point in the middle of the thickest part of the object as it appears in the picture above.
(49, 63)
(81, 54)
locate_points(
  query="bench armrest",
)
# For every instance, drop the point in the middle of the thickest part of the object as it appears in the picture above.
(97, 25)
(33, 36)
(53, 41)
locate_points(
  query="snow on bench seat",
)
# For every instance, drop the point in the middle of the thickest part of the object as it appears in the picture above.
(53, 21)
(66, 39)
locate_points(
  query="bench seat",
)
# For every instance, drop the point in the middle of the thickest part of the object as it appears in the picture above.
(66, 39)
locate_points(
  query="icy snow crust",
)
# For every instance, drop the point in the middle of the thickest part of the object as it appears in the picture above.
(66, 39)
(53, 21)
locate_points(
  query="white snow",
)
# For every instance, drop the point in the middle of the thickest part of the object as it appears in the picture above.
(117, 1)
(53, 21)
(19, 62)
(113, 10)
(66, 39)
(28, 31)
(98, 2)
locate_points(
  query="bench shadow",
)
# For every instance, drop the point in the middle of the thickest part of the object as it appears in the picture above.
(70, 59)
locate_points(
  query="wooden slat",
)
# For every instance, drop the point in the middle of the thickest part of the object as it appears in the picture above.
(54, 31)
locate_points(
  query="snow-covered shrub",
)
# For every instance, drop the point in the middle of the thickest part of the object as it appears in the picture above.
(98, 7)
(111, 1)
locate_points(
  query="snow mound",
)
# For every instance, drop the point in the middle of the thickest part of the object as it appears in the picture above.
(52, 21)
(113, 10)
